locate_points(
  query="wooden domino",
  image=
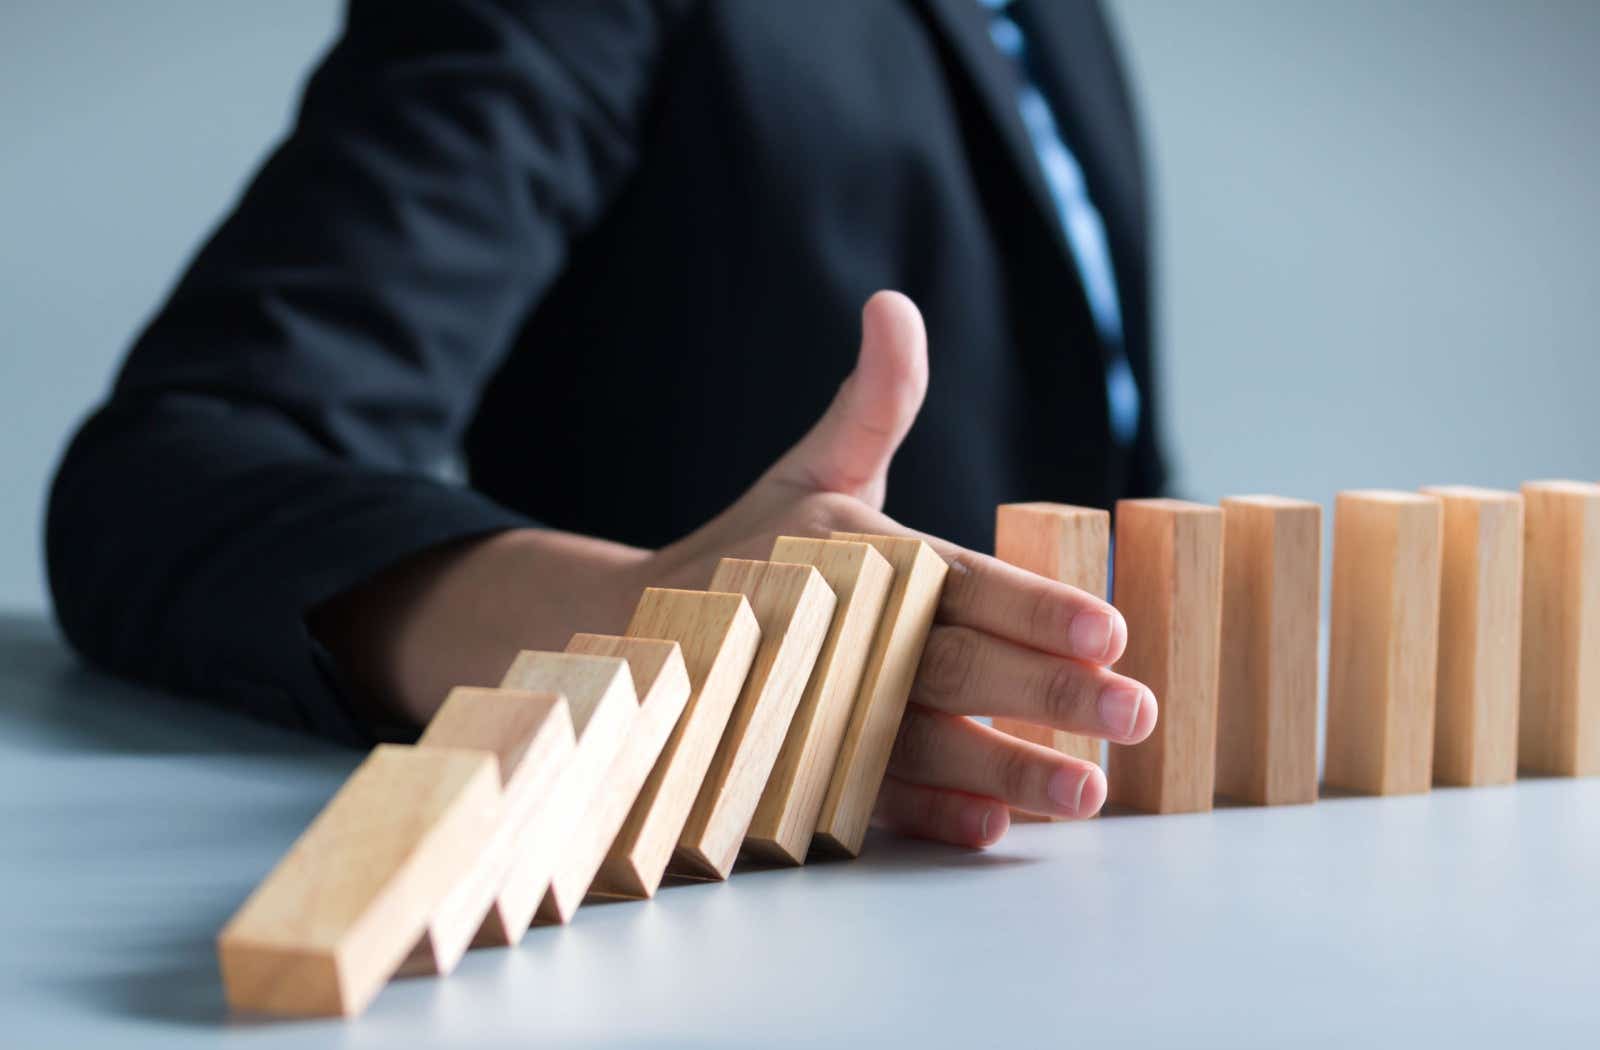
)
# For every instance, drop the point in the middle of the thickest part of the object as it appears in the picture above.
(1560, 713)
(908, 613)
(1383, 646)
(532, 737)
(1271, 616)
(787, 814)
(718, 634)
(1480, 637)
(1168, 582)
(336, 917)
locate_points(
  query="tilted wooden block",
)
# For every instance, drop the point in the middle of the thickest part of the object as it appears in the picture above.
(1480, 637)
(908, 614)
(1071, 545)
(599, 690)
(1383, 646)
(336, 917)
(719, 635)
(531, 735)
(1560, 717)
(1271, 616)
(787, 813)
(793, 606)
(661, 681)
(1168, 583)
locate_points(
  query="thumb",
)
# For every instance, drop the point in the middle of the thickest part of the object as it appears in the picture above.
(850, 448)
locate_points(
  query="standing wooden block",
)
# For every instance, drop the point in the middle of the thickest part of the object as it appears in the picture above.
(1480, 637)
(531, 735)
(787, 814)
(599, 690)
(1560, 716)
(1168, 584)
(335, 918)
(1271, 615)
(1384, 642)
(1071, 545)
(662, 683)
(908, 614)
(719, 635)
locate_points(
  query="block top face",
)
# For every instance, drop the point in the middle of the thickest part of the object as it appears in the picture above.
(1563, 488)
(1472, 493)
(1167, 506)
(505, 722)
(647, 657)
(1053, 510)
(1270, 502)
(1390, 496)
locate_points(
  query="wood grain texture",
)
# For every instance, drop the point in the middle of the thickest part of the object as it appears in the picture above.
(1560, 713)
(599, 691)
(336, 917)
(1383, 647)
(908, 613)
(786, 816)
(718, 634)
(661, 680)
(1168, 583)
(1071, 545)
(532, 737)
(1480, 637)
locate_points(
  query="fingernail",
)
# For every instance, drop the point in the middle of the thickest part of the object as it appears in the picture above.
(1119, 708)
(1090, 635)
(1066, 789)
(976, 819)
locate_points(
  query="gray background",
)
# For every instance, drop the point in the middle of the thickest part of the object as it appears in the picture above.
(1376, 242)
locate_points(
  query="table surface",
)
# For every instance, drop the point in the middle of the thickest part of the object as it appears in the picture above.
(136, 822)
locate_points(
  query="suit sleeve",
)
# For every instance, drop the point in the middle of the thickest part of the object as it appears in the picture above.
(276, 434)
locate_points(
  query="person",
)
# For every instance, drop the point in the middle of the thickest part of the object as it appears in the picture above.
(544, 302)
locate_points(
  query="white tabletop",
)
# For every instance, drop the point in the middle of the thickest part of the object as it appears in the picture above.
(135, 823)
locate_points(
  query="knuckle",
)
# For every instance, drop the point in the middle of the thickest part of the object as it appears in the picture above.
(1045, 615)
(825, 512)
(914, 743)
(1010, 773)
(947, 663)
(1062, 694)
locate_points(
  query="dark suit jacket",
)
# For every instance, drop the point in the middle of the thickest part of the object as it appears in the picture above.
(617, 251)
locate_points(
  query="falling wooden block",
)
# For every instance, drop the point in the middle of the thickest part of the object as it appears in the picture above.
(599, 690)
(1480, 637)
(662, 683)
(1168, 582)
(908, 614)
(336, 917)
(531, 735)
(1071, 545)
(1560, 717)
(1383, 648)
(1271, 615)
(787, 814)
(793, 606)
(718, 634)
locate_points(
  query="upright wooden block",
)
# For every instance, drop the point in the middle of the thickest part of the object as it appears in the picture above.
(793, 606)
(908, 614)
(1560, 718)
(1383, 642)
(662, 682)
(335, 918)
(719, 635)
(787, 813)
(1271, 615)
(1168, 585)
(599, 690)
(1480, 637)
(531, 735)
(1071, 545)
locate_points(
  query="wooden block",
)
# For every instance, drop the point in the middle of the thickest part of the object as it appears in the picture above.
(1168, 583)
(661, 681)
(1383, 648)
(531, 735)
(1071, 545)
(599, 690)
(1271, 617)
(787, 814)
(719, 635)
(335, 918)
(1480, 637)
(793, 606)
(1560, 717)
(908, 614)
